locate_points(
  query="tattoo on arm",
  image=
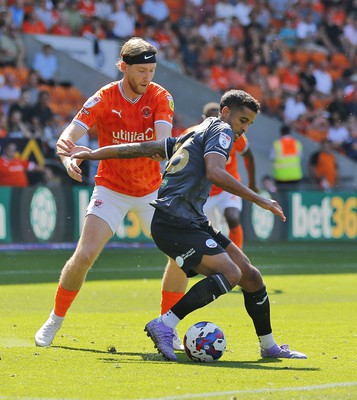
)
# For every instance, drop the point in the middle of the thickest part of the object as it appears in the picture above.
(143, 149)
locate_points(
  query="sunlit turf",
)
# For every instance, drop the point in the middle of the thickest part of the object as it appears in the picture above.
(313, 301)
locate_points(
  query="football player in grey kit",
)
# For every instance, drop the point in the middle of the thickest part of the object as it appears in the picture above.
(181, 230)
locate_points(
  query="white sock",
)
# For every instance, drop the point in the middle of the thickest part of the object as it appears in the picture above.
(56, 317)
(266, 341)
(170, 319)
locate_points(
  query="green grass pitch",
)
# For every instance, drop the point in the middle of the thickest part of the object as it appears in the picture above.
(313, 295)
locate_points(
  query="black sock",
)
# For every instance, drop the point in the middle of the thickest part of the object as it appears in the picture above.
(202, 293)
(258, 307)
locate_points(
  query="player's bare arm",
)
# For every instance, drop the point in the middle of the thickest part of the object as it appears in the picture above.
(72, 133)
(127, 150)
(217, 174)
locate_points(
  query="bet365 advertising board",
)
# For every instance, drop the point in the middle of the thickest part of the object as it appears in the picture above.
(310, 216)
(55, 214)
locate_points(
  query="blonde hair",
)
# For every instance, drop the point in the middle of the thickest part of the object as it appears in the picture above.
(133, 47)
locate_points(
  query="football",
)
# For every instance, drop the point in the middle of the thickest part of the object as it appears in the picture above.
(204, 342)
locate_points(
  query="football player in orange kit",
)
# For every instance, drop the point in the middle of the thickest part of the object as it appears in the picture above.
(134, 109)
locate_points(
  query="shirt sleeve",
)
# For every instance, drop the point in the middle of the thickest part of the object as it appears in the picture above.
(219, 141)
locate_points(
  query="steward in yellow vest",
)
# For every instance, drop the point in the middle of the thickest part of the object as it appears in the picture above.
(286, 157)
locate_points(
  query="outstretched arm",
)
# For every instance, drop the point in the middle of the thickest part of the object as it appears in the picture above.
(217, 174)
(127, 150)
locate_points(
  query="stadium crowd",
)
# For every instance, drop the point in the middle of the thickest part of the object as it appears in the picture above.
(297, 57)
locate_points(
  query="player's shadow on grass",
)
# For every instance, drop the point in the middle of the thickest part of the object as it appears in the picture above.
(137, 357)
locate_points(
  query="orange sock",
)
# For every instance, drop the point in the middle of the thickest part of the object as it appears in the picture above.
(63, 300)
(169, 299)
(236, 236)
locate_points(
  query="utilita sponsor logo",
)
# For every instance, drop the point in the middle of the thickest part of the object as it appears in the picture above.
(128, 137)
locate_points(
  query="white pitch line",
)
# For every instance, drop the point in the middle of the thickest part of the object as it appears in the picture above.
(205, 395)
(255, 391)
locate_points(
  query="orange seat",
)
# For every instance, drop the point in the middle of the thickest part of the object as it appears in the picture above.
(301, 57)
(335, 73)
(340, 61)
(59, 93)
(318, 57)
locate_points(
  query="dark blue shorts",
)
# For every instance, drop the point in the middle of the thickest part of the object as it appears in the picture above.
(186, 241)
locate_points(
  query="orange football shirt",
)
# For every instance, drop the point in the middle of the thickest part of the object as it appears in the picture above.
(240, 146)
(121, 120)
(13, 172)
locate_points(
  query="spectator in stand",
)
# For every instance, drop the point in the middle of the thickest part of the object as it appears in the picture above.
(103, 8)
(294, 108)
(87, 8)
(188, 19)
(23, 105)
(330, 34)
(307, 81)
(33, 25)
(224, 9)
(338, 106)
(236, 31)
(124, 20)
(92, 29)
(349, 37)
(286, 155)
(190, 56)
(324, 82)
(44, 13)
(323, 167)
(261, 14)
(16, 127)
(155, 11)
(10, 92)
(17, 12)
(13, 169)
(32, 86)
(74, 17)
(337, 132)
(12, 49)
(207, 30)
(290, 80)
(166, 36)
(279, 8)
(306, 30)
(45, 63)
(61, 26)
(288, 34)
(41, 109)
(242, 11)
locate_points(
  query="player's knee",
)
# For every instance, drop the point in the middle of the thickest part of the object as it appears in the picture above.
(83, 259)
(251, 279)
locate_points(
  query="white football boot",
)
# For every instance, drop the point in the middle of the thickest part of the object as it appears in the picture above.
(45, 335)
